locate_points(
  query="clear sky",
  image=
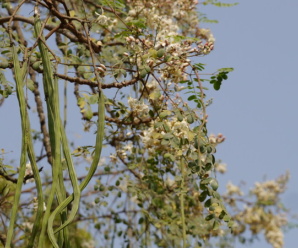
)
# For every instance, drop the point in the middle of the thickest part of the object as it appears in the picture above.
(255, 109)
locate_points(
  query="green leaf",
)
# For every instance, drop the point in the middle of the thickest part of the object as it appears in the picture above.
(209, 217)
(165, 113)
(161, 52)
(206, 181)
(169, 156)
(192, 97)
(141, 23)
(203, 196)
(226, 69)
(216, 225)
(222, 214)
(226, 218)
(224, 76)
(230, 224)
(88, 114)
(208, 166)
(214, 184)
(143, 73)
(199, 66)
(93, 99)
(4, 63)
(190, 119)
(168, 136)
(207, 203)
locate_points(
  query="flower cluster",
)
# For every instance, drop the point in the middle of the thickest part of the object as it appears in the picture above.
(260, 220)
(263, 216)
(138, 108)
(268, 192)
(153, 137)
(168, 48)
(216, 139)
(233, 190)
(220, 167)
(207, 47)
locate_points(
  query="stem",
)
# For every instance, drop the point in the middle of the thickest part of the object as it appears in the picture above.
(182, 204)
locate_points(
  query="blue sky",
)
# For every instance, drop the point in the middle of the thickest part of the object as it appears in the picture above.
(255, 109)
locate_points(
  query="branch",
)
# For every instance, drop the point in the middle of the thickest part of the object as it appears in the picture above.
(15, 180)
(76, 36)
(94, 84)
(18, 29)
(133, 123)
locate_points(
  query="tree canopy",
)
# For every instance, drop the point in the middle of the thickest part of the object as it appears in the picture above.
(135, 72)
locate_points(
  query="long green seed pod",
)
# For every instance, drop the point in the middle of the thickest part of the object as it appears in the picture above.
(19, 78)
(40, 198)
(96, 157)
(76, 191)
(50, 84)
(27, 146)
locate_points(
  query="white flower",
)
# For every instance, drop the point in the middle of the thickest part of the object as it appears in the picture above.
(137, 107)
(113, 158)
(275, 237)
(128, 147)
(102, 161)
(123, 185)
(221, 168)
(29, 171)
(233, 189)
(88, 244)
(27, 226)
(102, 19)
(122, 154)
(212, 139)
(267, 191)
(35, 204)
(207, 33)
(170, 182)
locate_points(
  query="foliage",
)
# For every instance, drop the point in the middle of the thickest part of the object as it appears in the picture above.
(218, 3)
(131, 66)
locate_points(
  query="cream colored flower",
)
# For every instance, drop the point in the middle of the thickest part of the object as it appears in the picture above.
(29, 171)
(137, 107)
(102, 19)
(35, 204)
(233, 189)
(221, 168)
(113, 158)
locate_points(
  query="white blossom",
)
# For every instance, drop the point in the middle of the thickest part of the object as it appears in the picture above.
(28, 172)
(233, 189)
(35, 204)
(113, 158)
(102, 19)
(138, 108)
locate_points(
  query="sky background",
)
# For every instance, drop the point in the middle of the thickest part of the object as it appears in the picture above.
(255, 109)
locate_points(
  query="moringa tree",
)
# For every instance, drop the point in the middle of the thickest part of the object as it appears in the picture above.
(134, 68)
